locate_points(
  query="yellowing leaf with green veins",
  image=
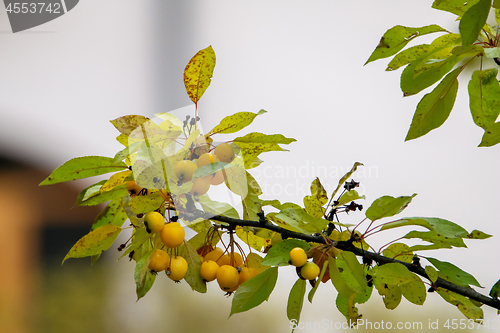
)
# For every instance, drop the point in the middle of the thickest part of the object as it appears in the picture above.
(113, 214)
(142, 204)
(236, 178)
(465, 305)
(431, 273)
(399, 251)
(313, 207)
(235, 122)
(414, 291)
(83, 167)
(95, 242)
(296, 300)
(255, 261)
(249, 238)
(319, 191)
(396, 39)
(254, 291)
(115, 180)
(127, 124)
(193, 277)
(198, 73)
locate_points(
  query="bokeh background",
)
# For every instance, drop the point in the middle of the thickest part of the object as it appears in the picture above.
(302, 61)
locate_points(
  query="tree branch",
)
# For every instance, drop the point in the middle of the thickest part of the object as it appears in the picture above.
(346, 246)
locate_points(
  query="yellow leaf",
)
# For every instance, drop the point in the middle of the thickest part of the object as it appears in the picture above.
(235, 122)
(95, 242)
(115, 180)
(198, 73)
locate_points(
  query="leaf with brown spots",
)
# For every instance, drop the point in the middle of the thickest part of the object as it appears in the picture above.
(83, 167)
(95, 242)
(198, 73)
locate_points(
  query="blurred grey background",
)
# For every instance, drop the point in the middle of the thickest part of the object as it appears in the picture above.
(302, 61)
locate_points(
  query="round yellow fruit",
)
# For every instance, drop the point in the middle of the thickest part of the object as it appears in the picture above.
(184, 170)
(228, 278)
(200, 186)
(206, 159)
(224, 152)
(172, 234)
(246, 274)
(159, 261)
(298, 257)
(214, 255)
(154, 222)
(309, 271)
(208, 270)
(178, 268)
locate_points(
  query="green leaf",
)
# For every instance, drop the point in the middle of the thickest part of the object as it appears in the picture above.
(311, 294)
(393, 274)
(426, 70)
(432, 273)
(279, 254)
(495, 290)
(139, 237)
(337, 280)
(397, 37)
(198, 73)
(302, 221)
(347, 306)
(399, 251)
(256, 137)
(193, 277)
(414, 291)
(254, 291)
(484, 94)
(235, 122)
(113, 214)
(473, 21)
(345, 177)
(83, 167)
(141, 274)
(142, 204)
(438, 241)
(210, 169)
(491, 135)
(407, 56)
(387, 206)
(476, 234)
(391, 295)
(351, 271)
(349, 196)
(452, 273)
(101, 197)
(218, 208)
(95, 242)
(143, 288)
(296, 300)
(435, 107)
(457, 7)
(465, 305)
(89, 191)
(492, 52)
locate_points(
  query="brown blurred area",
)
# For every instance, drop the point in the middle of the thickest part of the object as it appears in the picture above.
(27, 211)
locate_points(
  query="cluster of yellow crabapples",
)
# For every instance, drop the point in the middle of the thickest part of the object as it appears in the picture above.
(306, 269)
(227, 268)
